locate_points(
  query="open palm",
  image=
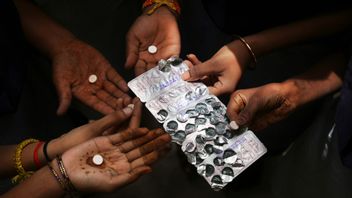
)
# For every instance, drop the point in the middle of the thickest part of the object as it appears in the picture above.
(159, 29)
(126, 157)
(71, 70)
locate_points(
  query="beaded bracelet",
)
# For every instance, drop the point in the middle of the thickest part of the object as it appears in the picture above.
(21, 173)
(251, 66)
(171, 4)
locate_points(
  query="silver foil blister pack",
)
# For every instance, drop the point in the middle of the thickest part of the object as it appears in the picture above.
(196, 120)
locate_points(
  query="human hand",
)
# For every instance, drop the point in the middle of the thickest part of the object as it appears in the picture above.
(224, 69)
(109, 124)
(127, 155)
(73, 65)
(262, 106)
(159, 29)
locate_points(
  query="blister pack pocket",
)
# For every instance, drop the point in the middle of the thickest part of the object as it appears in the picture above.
(196, 120)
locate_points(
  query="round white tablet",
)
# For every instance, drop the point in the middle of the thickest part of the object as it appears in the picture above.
(233, 125)
(93, 78)
(98, 159)
(152, 49)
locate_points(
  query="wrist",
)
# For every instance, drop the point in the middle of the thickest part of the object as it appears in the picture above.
(151, 6)
(162, 10)
(60, 45)
(241, 52)
(55, 147)
(294, 92)
(54, 185)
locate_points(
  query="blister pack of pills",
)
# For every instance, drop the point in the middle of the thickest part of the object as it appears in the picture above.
(196, 120)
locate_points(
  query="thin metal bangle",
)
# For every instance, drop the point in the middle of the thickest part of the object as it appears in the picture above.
(68, 182)
(57, 177)
(252, 66)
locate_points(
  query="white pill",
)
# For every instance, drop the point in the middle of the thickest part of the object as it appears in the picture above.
(93, 78)
(233, 125)
(98, 159)
(152, 49)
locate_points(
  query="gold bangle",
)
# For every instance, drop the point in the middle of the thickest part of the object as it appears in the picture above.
(252, 66)
(21, 173)
(171, 4)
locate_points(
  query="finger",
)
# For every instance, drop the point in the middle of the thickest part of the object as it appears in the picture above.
(134, 143)
(120, 104)
(132, 46)
(247, 115)
(115, 78)
(126, 178)
(127, 135)
(194, 59)
(199, 71)
(136, 115)
(140, 67)
(113, 90)
(149, 147)
(65, 96)
(113, 119)
(220, 87)
(127, 100)
(147, 159)
(236, 104)
(113, 102)
(94, 102)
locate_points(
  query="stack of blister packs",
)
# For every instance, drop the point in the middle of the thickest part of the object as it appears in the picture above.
(197, 121)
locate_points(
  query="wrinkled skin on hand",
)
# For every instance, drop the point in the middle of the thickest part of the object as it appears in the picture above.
(262, 106)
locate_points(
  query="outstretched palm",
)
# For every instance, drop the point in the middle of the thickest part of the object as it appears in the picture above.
(159, 29)
(126, 157)
(71, 70)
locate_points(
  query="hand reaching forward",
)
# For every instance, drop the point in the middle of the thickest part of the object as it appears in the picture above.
(224, 69)
(110, 124)
(72, 67)
(262, 106)
(159, 29)
(127, 155)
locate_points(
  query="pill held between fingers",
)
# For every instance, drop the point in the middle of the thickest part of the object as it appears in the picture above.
(233, 125)
(98, 159)
(152, 49)
(93, 78)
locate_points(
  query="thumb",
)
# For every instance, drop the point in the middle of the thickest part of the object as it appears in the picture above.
(113, 119)
(132, 45)
(197, 72)
(65, 96)
(247, 115)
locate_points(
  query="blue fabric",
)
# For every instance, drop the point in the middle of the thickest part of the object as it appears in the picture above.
(344, 118)
(12, 57)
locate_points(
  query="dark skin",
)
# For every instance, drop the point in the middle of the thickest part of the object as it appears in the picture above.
(125, 154)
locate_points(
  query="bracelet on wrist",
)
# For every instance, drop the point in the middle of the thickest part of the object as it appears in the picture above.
(45, 151)
(173, 5)
(21, 173)
(35, 155)
(254, 58)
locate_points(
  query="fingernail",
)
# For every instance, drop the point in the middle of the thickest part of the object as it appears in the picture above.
(233, 125)
(128, 110)
(185, 76)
